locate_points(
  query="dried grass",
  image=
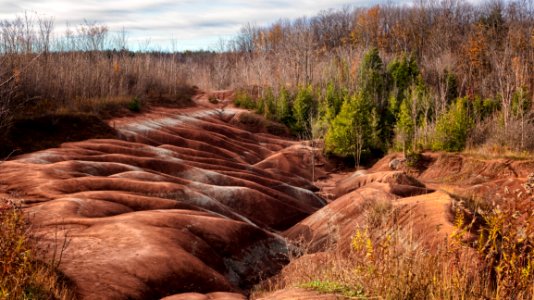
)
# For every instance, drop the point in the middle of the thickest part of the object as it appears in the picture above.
(386, 262)
(22, 275)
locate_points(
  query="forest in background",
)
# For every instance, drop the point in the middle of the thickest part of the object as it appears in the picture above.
(441, 75)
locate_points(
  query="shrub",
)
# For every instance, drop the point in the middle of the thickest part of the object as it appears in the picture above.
(270, 104)
(303, 108)
(135, 105)
(351, 129)
(283, 108)
(22, 276)
(507, 244)
(452, 128)
(413, 159)
(386, 261)
(244, 100)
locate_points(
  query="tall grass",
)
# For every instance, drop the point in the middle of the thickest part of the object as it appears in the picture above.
(386, 262)
(22, 275)
(71, 80)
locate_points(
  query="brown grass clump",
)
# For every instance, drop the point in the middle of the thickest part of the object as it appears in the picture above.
(498, 152)
(387, 262)
(22, 276)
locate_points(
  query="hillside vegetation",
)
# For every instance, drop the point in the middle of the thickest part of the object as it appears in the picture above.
(22, 275)
(356, 83)
(436, 75)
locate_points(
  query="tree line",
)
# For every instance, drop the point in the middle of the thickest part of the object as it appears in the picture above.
(391, 109)
(432, 75)
(437, 75)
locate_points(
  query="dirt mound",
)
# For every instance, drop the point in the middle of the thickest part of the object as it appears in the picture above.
(214, 99)
(210, 296)
(298, 294)
(361, 195)
(178, 205)
(300, 160)
(398, 181)
(336, 223)
(52, 130)
(257, 124)
(429, 218)
(470, 177)
(152, 254)
(459, 169)
(453, 168)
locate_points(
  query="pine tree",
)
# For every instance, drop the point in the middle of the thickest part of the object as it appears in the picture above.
(405, 127)
(372, 79)
(269, 104)
(283, 108)
(452, 128)
(303, 106)
(350, 130)
(403, 72)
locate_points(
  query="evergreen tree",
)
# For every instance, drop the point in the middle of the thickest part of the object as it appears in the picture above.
(405, 128)
(283, 108)
(452, 128)
(303, 108)
(269, 108)
(372, 78)
(451, 84)
(329, 108)
(350, 130)
(403, 72)
(332, 102)
(375, 135)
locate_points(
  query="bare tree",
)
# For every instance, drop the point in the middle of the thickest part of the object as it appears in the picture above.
(46, 26)
(120, 41)
(92, 36)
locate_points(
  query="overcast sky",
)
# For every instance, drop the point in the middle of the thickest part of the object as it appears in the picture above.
(191, 24)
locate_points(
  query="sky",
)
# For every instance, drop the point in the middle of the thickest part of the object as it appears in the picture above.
(171, 25)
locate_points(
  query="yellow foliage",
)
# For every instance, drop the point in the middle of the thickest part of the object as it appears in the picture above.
(21, 275)
(116, 68)
(16, 75)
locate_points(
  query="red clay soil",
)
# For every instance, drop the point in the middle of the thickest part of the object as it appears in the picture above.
(399, 181)
(189, 203)
(461, 169)
(334, 225)
(185, 201)
(428, 218)
(489, 180)
(210, 296)
(426, 214)
(299, 294)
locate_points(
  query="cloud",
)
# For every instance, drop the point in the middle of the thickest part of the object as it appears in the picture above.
(191, 24)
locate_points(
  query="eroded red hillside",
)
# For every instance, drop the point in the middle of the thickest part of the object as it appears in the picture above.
(200, 203)
(186, 201)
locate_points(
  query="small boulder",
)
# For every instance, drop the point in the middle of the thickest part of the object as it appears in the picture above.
(395, 163)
